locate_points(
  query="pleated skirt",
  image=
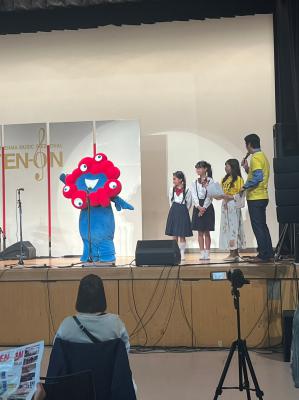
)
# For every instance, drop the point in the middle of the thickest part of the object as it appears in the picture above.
(178, 221)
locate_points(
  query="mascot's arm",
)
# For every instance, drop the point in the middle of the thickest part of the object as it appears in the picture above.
(62, 178)
(121, 204)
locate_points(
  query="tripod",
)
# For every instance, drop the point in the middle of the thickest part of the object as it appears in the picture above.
(244, 361)
(287, 228)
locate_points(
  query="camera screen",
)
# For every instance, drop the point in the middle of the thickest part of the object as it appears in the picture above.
(218, 276)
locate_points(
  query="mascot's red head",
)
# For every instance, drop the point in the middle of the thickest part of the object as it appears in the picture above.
(95, 177)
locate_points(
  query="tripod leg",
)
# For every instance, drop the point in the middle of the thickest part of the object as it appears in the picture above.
(259, 393)
(240, 366)
(243, 367)
(280, 243)
(225, 369)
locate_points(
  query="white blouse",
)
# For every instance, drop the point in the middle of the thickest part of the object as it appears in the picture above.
(202, 193)
(180, 198)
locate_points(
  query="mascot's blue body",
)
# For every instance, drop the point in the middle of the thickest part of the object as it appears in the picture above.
(93, 186)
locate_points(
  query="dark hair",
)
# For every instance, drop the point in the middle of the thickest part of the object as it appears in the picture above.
(91, 295)
(179, 175)
(253, 140)
(235, 171)
(204, 164)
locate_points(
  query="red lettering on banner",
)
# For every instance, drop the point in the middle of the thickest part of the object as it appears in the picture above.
(19, 354)
(4, 357)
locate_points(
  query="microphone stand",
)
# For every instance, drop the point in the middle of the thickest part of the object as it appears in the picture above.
(89, 259)
(19, 203)
(90, 262)
(2, 237)
(20, 263)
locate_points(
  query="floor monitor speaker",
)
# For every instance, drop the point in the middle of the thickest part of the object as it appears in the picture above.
(157, 252)
(13, 252)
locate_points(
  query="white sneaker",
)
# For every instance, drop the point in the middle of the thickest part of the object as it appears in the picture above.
(203, 255)
(207, 254)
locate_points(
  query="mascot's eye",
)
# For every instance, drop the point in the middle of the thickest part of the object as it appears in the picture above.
(112, 185)
(98, 157)
(83, 167)
(66, 189)
(78, 202)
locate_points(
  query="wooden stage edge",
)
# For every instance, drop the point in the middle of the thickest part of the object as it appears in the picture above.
(161, 306)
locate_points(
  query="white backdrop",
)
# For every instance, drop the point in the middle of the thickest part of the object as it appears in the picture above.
(211, 79)
(120, 140)
(194, 147)
(25, 147)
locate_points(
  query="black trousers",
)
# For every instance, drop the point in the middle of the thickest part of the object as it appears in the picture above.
(257, 213)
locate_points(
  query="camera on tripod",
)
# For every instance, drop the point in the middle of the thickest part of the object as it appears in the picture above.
(235, 276)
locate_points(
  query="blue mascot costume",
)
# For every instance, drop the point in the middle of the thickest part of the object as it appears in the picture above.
(93, 185)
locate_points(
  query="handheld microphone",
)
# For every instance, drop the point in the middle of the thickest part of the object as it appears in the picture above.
(247, 155)
(245, 158)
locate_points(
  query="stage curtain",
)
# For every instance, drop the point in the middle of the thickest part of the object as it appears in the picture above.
(286, 50)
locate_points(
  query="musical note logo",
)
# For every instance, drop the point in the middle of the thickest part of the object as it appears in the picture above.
(40, 158)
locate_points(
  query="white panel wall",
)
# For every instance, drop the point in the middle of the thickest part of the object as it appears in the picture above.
(209, 80)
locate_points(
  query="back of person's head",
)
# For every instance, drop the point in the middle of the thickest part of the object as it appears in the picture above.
(253, 140)
(91, 295)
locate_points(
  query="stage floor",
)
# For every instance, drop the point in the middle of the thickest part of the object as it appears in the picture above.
(124, 268)
(161, 306)
(192, 259)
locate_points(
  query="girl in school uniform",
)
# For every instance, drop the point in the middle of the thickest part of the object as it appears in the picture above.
(232, 236)
(203, 218)
(178, 222)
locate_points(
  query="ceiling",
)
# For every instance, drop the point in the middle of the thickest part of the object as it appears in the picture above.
(17, 16)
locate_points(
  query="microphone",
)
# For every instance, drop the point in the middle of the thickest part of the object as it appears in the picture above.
(245, 158)
(247, 155)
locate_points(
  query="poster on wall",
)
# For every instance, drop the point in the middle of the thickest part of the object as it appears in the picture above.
(120, 141)
(35, 157)
(25, 165)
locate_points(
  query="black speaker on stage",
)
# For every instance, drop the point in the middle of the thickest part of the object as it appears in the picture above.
(13, 252)
(297, 247)
(286, 140)
(286, 179)
(157, 252)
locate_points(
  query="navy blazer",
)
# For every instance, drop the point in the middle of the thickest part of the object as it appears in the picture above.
(108, 361)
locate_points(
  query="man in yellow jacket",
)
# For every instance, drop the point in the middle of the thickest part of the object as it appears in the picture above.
(256, 188)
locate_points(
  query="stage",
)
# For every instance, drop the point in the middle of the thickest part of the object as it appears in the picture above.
(161, 306)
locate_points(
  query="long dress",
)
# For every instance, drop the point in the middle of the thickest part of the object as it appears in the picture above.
(232, 234)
